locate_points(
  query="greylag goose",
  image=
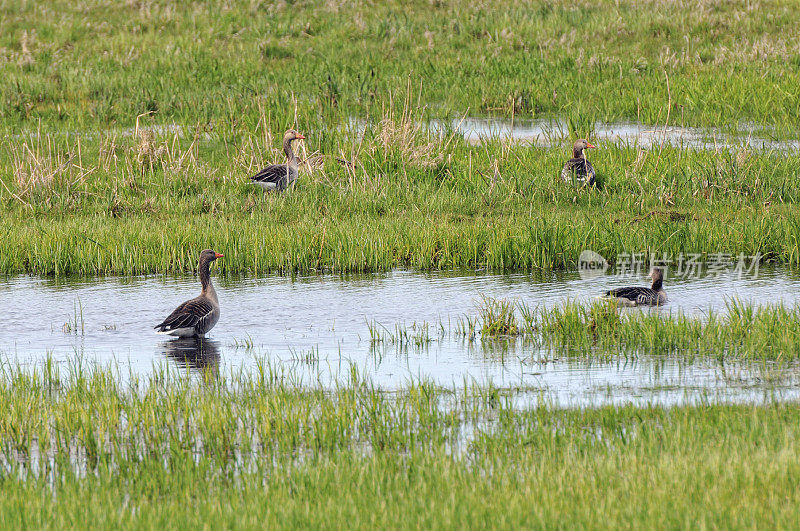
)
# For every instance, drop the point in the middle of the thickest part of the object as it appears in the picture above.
(280, 176)
(640, 296)
(199, 315)
(578, 168)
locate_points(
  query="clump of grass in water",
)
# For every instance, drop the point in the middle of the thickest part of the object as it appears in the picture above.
(77, 324)
(498, 318)
(310, 357)
(742, 331)
(403, 335)
(467, 327)
(244, 343)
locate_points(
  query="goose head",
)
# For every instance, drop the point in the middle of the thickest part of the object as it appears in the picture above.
(291, 135)
(579, 146)
(209, 256)
(657, 276)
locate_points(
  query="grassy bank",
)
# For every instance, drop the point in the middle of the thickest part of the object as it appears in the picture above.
(123, 204)
(249, 450)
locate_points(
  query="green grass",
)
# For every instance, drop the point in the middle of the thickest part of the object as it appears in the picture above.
(602, 329)
(498, 318)
(742, 331)
(102, 63)
(410, 201)
(82, 194)
(257, 449)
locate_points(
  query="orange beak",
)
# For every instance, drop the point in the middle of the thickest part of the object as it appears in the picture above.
(300, 136)
(218, 255)
(588, 145)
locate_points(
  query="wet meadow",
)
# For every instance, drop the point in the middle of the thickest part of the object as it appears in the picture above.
(401, 327)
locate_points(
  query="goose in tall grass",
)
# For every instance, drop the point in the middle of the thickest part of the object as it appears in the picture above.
(578, 169)
(195, 317)
(641, 296)
(280, 176)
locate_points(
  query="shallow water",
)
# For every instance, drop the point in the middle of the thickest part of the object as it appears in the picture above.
(315, 327)
(541, 132)
(553, 131)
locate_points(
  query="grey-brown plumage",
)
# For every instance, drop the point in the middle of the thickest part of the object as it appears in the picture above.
(280, 176)
(197, 316)
(578, 169)
(641, 296)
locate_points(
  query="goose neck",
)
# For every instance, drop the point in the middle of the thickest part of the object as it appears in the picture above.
(287, 148)
(205, 280)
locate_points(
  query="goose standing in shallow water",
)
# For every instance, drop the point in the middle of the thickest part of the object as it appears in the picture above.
(639, 296)
(280, 176)
(578, 168)
(199, 315)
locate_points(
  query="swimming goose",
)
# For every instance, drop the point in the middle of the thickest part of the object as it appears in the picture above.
(639, 296)
(199, 315)
(578, 168)
(280, 176)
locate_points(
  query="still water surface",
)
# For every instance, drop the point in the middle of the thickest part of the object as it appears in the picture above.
(315, 327)
(548, 132)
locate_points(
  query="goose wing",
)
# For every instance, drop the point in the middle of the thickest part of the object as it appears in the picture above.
(589, 171)
(568, 171)
(578, 169)
(276, 174)
(637, 295)
(191, 314)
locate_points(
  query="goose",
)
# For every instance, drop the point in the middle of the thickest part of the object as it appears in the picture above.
(280, 176)
(195, 317)
(578, 168)
(640, 296)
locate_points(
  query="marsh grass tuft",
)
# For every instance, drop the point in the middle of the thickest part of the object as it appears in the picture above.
(76, 325)
(245, 343)
(740, 332)
(36, 167)
(149, 152)
(498, 318)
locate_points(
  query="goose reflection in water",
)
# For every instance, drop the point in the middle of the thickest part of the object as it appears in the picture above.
(194, 353)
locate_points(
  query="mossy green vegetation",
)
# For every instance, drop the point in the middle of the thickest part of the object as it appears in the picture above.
(249, 450)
